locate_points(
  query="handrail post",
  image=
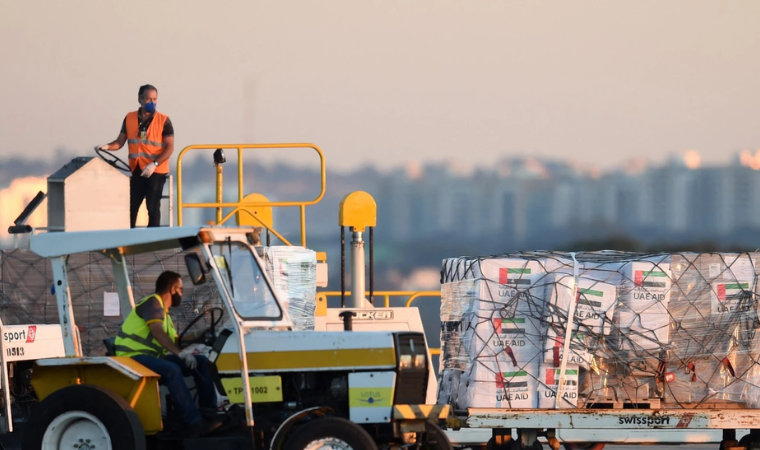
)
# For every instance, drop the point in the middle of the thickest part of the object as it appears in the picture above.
(240, 175)
(219, 187)
(303, 226)
(179, 189)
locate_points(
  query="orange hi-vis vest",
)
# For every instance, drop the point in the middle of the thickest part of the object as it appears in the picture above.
(143, 150)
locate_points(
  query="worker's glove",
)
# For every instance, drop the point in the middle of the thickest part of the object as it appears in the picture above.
(101, 147)
(148, 170)
(187, 356)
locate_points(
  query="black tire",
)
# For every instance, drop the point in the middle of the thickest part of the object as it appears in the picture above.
(121, 422)
(330, 427)
(435, 438)
(517, 445)
(584, 446)
(491, 445)
(749, 441)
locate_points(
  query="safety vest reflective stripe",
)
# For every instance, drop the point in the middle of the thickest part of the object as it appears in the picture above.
(135, 337)
(124, 349)
(143, 155)
(146, 142)
(144, 341)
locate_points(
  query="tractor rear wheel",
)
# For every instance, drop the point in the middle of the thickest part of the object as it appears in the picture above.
(334, 433)
(84, 417)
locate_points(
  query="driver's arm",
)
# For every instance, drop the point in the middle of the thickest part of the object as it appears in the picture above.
(157, 330)
(117, 144)
(120, 141)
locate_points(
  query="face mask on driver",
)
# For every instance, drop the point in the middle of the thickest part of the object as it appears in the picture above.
(176, 299)
(150, 107)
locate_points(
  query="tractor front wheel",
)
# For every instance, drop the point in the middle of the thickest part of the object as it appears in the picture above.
(84, 417)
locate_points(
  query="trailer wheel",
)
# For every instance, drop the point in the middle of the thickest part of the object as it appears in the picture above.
(583, 446)
(86, 417)
(334, 433)
(750, 442)
(506, 444)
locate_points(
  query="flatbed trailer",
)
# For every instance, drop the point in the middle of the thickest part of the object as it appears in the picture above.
(608, 426)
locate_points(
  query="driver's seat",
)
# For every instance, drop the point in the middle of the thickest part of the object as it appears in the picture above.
(110, 344)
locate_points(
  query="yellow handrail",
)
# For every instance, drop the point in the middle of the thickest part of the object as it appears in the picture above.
(240, 205)
(386, 295)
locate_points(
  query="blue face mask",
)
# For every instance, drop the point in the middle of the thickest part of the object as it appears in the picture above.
(150, 107)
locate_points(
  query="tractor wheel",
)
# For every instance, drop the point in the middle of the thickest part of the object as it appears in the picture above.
(435, 438)
(334, 433)
(86, 417)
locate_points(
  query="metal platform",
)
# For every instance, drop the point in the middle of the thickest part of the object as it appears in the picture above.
(686, 419)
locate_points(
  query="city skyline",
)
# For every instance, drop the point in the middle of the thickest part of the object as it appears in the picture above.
(518, 199)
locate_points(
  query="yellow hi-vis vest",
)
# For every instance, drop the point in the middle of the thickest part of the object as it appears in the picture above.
(134, 338)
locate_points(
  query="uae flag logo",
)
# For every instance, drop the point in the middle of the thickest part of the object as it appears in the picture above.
(507, 380)
(551, 377)
(515, 277)
(514, 325)
(583, 297)
(731, 291)
(649, 278)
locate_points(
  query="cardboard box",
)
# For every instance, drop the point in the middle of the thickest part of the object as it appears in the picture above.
(644, 331)
(517, 338)
(496, 383)
(594, 303)
(554, 348)
(548, 382)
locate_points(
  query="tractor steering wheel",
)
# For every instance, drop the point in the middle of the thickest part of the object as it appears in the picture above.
(208, 335)
(113, 160)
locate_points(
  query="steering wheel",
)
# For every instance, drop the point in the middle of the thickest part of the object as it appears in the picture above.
(208, 335)
(113, 160)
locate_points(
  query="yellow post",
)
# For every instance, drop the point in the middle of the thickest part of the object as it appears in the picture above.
(219, 184)
(358, 211)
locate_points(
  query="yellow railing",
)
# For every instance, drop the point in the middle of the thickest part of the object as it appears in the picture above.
(410, 296)
(241, 206)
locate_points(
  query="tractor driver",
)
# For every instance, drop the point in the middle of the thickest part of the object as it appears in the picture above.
(148, 336)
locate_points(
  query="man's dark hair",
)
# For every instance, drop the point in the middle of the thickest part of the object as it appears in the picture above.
(166, 280)
(145, 88)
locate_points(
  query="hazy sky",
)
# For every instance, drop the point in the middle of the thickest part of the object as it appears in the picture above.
(388, 81)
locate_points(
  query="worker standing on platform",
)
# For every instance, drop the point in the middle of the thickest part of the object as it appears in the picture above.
(150, 138)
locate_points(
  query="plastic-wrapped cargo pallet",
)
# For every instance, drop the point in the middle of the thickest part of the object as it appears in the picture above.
(293, 271)
(677, 329)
